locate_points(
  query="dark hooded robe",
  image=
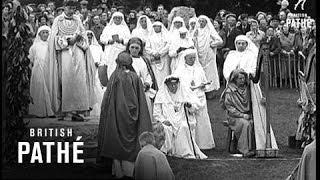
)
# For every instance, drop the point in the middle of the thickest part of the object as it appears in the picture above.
(124, 113)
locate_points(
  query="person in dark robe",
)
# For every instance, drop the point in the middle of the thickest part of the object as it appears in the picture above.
(151, 163)
(236, 101)
(124, 116)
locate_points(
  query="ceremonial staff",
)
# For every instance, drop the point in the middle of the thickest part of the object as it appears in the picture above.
(186, 113)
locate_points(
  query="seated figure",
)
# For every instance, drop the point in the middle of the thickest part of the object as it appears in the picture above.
(175, 106)
(236, 101)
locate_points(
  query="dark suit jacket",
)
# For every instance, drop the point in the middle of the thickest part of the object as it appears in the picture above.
(274, 44)
(231, 36)
(244, 30)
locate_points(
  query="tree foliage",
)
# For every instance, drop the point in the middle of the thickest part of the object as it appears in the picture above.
(17, 77)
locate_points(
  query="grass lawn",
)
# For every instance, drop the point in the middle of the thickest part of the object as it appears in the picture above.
(284, 113)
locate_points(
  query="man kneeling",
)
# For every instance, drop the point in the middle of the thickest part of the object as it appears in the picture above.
(151, 163)
(236, 101)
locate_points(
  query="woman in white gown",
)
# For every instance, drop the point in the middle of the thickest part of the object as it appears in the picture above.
(174, 107)
(206, 41)
(157, 48)
(115, 37)
(143, 28)
(41, 105)
(180, 43)
(192, 25)
(245, 57)
(97, 54)
(191, 72)
(142, 67)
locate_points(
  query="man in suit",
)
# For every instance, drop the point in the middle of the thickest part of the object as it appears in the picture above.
(232, 32)
(244, 26)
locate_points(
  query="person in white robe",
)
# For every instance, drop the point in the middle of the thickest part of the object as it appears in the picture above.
(180, 43)
(176, 24)
(158, 48)
(115, 37)
(41, 103)
(192, 25)
(71, 66)
(97, 54)
(143, 28)
(174, 107)
(191, 71)
(143, 69)
(206, 41)
(245, 57)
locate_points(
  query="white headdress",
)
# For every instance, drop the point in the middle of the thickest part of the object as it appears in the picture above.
(176, 19)
(250, 47)
(42, 28)
(149, 23)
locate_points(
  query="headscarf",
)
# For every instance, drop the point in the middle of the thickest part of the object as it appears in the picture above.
(140, 32)
(118, 14)
(251, 46)
(94, 39)
(204, 38)
(183, 93)
(232, 87)
(164, 30)
(42, 28)
(176, 19)
(112, 29)
(149, 24)
(182, 63)
(246, 59)
(191, 31)
(95, 47)
(209, 28)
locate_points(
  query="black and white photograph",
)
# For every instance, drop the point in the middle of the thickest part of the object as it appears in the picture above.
(159, 89)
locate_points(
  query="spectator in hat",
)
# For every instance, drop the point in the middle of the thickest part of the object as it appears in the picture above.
(121, 9)
(244, 26)
(232, 32)
(255, 34)
(97, 27)
(274, 22)
(59, 11)
(261, 15)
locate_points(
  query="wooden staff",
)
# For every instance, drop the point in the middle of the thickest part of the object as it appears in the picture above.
(186, 113)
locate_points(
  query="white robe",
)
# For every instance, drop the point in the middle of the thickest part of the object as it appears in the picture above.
(247, 60)
(141, 69)
(158, 43)
(111, 51)
(207, 55)
(203, 132)
(174, 46)
(97, 54)
(41, 105)
(171, 108)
